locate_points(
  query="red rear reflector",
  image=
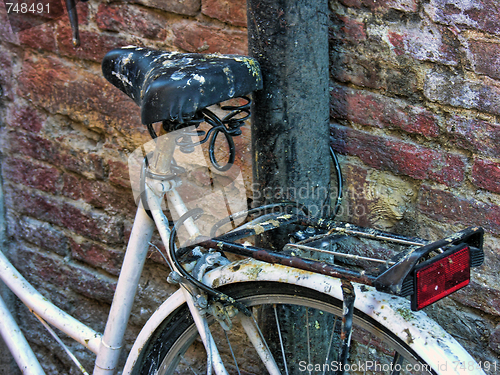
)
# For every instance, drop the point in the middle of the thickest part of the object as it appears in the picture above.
(442, 277)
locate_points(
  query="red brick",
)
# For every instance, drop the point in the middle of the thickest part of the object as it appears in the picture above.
(37, 265)
(118, 173)
(184, 7)
(484, 57)
(53, 269)
(38, 147)
(479, 14)
(480, 137)
(97, 255)
(230, 11)
(40, 37)
(27, 118)
(355, 68)
(93, 45)
(355, 207)
(42, 235)
(485, 174)
(344, 29)
(142, 21)
(99, 194)
(367, 69)
(426, 43)
(195, 37)
(446, 207)
(377, 110)
(60, 87)
(400, 157)
(39, 32)
(453, 89)
(32, 174)
(97, 226)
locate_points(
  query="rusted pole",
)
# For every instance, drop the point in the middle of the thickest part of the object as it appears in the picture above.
(289, 38)
(290, 134)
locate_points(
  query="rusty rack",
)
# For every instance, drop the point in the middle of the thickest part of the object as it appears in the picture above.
(314, 239)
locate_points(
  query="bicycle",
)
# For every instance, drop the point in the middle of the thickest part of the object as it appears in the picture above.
(352, 309)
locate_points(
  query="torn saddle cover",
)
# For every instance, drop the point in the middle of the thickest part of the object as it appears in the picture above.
(174, 86)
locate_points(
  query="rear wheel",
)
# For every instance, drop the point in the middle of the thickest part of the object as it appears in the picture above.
(175, 347)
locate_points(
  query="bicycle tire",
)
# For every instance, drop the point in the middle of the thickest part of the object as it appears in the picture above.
(174, 348)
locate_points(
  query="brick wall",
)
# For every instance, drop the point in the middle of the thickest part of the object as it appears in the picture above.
(414, 107)
(65, 138)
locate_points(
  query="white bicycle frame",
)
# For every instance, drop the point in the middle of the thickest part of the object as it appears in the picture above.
(435, 346)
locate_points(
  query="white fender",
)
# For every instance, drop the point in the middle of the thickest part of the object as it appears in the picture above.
(436, 347)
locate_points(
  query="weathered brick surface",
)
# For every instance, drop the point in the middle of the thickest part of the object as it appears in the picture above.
(141, 21)
(383, 5)
(194, 37)
(480, 15)
(67, 275)
(62, 88)
(230, 11)
(436, 44)
(51, 151)
(480, 137)
(486, 174)
(81, 220)
(183, 7)
(484, 57)
(377, 110)
(458, 91)
(65, 137)
(41, 234)
(415, 98)
(97, 255)
(456, 209)
(400, 157)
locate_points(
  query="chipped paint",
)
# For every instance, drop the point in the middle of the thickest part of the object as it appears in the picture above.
(122, 78)
(258, 228)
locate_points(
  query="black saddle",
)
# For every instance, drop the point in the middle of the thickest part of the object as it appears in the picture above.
(174, 86)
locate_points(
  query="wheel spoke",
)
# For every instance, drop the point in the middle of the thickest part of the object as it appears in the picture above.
(184, 360)
(308, 338)
(281, 339)
(232, 353)
(330, 343)
(253, 344)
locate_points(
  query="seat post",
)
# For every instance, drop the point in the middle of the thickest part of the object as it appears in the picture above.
(162, 157)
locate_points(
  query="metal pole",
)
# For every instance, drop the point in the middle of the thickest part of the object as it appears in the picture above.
(290, 134)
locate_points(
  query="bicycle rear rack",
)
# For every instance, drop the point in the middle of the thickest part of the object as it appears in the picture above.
(326, 247)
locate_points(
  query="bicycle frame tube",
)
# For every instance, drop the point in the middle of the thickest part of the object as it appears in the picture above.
(45, 309)
(153, 197)
(17, 344)
(107, 346)
(133, 263)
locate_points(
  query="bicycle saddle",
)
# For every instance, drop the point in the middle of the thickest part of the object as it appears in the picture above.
(174, 86)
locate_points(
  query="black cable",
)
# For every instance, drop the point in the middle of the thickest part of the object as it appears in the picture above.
(218, 296)
(340, 183)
